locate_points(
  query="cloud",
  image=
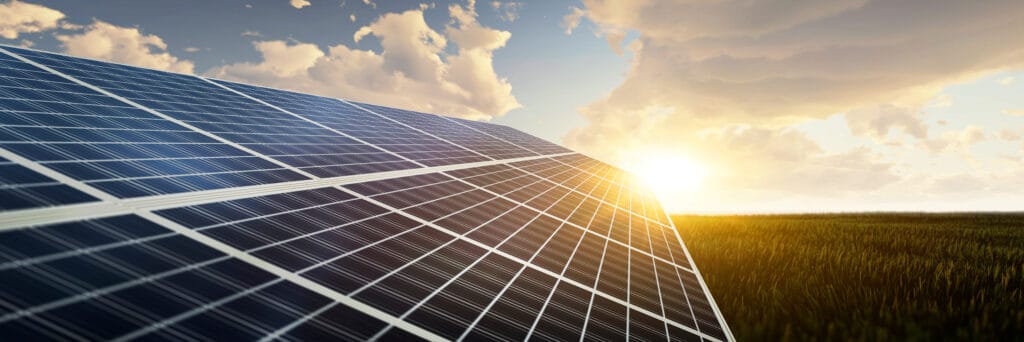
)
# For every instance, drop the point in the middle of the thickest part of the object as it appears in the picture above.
(572, 20)
(370, 3)
(105, 41)
(878, 122)
(941, 101)
(781, 62)
(1009, 134)
(191, 49)
(956, 141)
(1006, 80)
(412, 70)
(1014, 112)
(507, 11)
(17, 17)
(352, 18)
(250, 33)
(699, 66)
(299, 3)
(786, 160)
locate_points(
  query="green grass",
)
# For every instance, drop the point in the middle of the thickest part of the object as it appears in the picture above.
(917, 277)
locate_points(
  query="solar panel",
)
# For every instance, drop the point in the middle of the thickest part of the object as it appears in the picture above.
(139, 204)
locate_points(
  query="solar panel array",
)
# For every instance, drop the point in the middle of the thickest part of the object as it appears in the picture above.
(144, 204)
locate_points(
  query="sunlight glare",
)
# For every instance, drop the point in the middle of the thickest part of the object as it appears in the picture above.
(668, 174)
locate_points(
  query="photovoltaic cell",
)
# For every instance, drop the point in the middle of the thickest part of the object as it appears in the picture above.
(453, 132)
(231, 116)
(364, 125)
(125, 277)
(22, 188)
(559, 247)
(514, 136)
(112, 146)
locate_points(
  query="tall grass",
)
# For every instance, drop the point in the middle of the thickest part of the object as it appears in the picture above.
(915, 277)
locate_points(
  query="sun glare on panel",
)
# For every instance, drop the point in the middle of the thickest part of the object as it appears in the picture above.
(668, 174)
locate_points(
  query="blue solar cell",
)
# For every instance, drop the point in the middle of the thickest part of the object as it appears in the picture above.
(22, 188)
(231, 116)
(112, 146)
(453, 131)
(515, 136)
(369, 127)
(125, 276)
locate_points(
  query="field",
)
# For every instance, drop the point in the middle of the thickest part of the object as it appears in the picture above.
(915, 277)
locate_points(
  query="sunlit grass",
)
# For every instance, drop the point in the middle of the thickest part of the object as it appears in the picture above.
(864, 277)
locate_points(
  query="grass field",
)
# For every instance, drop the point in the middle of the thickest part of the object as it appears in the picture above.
(916, 277)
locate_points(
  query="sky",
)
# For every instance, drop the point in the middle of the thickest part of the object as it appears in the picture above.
(723, 106)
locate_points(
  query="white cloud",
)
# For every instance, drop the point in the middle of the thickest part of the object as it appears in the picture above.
(877, 122)
(191, 49)
(1006, 80)
(352, 18)
(126, 45)
(249, 33)
(956, 141)
(370, 3)
(507, 11)
(1009, 134)
(17, 17)
(299, 3)
(412, 70)
(941, 101)
(713, 64)
(572, 20)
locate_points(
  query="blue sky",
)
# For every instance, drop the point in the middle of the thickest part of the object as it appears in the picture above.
(765, 106)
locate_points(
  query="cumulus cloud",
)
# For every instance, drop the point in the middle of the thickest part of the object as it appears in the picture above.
(17, 17)
(879, 121)
(572, 20)
(105, 41)
(507, 11)
(956, 141)
(1009, 134)
(412, 70)
(299, 3)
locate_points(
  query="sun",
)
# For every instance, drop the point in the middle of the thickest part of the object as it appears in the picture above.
(668, 173)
